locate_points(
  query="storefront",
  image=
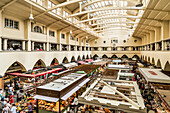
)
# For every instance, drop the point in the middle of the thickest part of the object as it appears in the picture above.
(58, 95)
(125, 74)
(114, 96)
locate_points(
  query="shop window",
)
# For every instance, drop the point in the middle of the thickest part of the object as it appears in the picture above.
(104, 48)
(71, 38)
(81, 40)
(51, 33)
(104, 41)
(11, 23)
(95, 48)
(37, 29)
(124, 41)
(63, 36)
(115, 41)
(135, 41)
(77, 39)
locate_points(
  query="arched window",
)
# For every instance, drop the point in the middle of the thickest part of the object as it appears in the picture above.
(37, 29)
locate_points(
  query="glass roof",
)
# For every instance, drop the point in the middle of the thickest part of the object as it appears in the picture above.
(103, 24)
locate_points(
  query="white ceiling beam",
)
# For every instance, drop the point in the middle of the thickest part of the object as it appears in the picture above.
(111, 26)
(95, 1)
(106, 8)
(134, 17)
(8, 4)
(58, 6)
(111, 22)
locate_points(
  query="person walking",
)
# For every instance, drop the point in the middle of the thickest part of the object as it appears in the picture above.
(30, 108)
(5, 109)
(13, 108)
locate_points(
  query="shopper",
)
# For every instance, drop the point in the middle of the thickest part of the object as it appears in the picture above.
(30, 108)
(18, 96)
(13, 108)
(5, 109)
(11, 99)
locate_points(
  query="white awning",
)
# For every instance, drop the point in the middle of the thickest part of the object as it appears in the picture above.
(84, 82)
(116, 61)
(66, 96)
(46, 98)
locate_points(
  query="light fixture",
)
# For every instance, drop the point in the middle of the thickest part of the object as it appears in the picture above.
(139, 4)
(31, 15)
(71, 31)
(95, 40)
(86, 37)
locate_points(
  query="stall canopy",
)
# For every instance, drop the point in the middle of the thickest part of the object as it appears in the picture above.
(59, 66)
(154, 75)
(119, 66)
(116, 61)
(70, 65)
(46, 98)
(89, 60)
(35, 75)
(81, 62)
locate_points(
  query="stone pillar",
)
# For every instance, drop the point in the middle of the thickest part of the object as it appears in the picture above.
(47, 38)
(5, 44)
(32, 46)
(23, 45)
(1, 27)
(44, 48)
(27, 33)
(156, 46)
(29, 45)
(0, 44)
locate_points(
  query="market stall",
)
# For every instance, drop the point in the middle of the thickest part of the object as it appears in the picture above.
(114, 95)
(111, 66)
(110, 74)
(154, 75)
(89, 60)
(81, 62)
(125, 74)
(70, 65)
(58, 95)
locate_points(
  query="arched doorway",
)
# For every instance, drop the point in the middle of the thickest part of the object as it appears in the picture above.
(54, 62)
(73, 59)
(136, 57)
(114, 57)
(87, 57)
(65, 60)
(124, 57)
(95, 57)
(149, 59)
(104, 56)
(78, 59)
(8, 78)
(159, 64)
(153, 61)
(39, 64)
(83, 58)
(167, 66)
(16, 67)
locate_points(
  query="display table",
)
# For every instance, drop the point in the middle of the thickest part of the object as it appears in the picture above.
(154, 75)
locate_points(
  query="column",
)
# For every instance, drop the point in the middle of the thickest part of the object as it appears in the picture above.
(59, 40)
(44, 48)
(1, 23)
(32, 46)
(29, 45)
(75, 48)
(164, 33)
(27, 33)
(0, 44)
(23, 45)
(156, 46)
(5, 44)
(47, 38)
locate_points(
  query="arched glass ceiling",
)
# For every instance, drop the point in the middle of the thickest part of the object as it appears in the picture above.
(112, 19)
